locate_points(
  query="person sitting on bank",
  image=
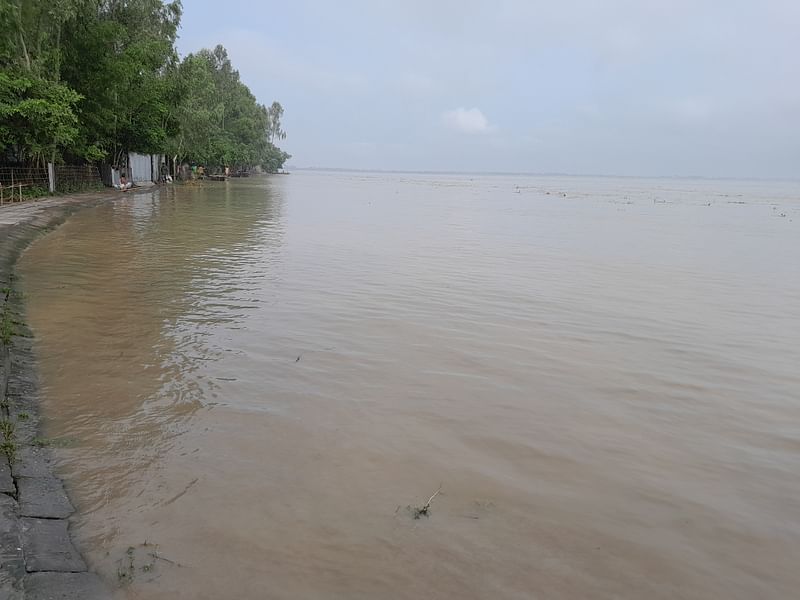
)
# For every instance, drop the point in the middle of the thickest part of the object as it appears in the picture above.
(124, 185)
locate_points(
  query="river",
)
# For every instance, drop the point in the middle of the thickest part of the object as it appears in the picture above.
(250, 385)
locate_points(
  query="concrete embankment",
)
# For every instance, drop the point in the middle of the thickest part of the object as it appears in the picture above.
(38, 560)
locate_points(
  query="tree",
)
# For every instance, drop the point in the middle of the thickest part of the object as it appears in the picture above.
(119, 56)
(221, 122)
(37, 117)
(275, 113)
(94, 79)
(195, 112)
(37, 112)
(32, 34)
(274, 158)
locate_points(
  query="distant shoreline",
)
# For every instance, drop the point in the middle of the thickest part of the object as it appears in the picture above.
(533, 174)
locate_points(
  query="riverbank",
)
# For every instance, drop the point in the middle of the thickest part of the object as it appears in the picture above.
(229, 365)
(37, 557)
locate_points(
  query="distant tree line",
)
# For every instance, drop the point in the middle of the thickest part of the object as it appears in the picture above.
(89, 80)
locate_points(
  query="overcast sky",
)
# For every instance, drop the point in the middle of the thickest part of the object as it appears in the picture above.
(629, 87)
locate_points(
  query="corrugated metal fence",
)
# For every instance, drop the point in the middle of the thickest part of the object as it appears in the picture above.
(144, 168)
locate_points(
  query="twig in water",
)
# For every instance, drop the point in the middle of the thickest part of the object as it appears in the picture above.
(302, 354)
(425, 509)
(157, 556)
(186, 489)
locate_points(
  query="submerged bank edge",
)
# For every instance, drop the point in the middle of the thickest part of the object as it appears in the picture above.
(38, 560)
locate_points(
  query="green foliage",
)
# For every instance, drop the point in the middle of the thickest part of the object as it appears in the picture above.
(37, 117)
(8, 441)
(221, 123)
(32, 31)
(118, 56)
(275, 114)
(7, 330)
(34, 191)
(273, 158)
(94, 79)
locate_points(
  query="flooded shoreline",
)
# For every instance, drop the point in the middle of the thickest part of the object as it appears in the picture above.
(259, 377)
(39, 559)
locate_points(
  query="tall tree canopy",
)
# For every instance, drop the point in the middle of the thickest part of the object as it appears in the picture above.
(37, 111)
(221, 119)
(275, 114)
(221, 123)
(93, 79)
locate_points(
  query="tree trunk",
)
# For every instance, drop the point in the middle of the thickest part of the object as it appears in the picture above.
(25, 57)
(57, 66)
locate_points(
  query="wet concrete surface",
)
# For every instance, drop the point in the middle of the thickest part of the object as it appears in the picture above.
(38, 560)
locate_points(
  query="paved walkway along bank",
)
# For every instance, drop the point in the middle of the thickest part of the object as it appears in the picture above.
(38, 560)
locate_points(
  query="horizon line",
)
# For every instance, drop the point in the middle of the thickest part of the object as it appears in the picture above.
(541, 174)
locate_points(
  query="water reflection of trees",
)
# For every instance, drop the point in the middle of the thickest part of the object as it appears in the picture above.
(128, 300)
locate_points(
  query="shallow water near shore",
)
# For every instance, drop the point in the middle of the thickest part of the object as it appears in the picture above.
(261, 376)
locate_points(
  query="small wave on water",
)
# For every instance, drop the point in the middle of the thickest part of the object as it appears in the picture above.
(260, 376)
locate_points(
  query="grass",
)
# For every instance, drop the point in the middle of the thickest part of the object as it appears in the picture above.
(6, 326)
(140, 559)
(8, 440)
(34, 191)
(7, 322)
(8, 445)
(126, 568)
(9, 448)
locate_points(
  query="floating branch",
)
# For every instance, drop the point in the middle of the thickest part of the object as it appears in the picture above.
(419, 511)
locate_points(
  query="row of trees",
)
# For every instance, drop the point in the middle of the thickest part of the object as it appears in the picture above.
(89, 80)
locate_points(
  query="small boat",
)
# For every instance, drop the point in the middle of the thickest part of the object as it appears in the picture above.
(216, 177)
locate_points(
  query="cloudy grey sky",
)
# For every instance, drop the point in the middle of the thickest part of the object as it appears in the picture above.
(629, 87)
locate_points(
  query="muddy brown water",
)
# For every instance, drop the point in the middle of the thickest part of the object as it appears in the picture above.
(603, 375)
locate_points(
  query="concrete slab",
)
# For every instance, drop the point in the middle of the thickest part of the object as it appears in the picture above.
(26, 421)
(22, 355)
(6, 482)
(65, 586)
(33, 461)
(43, 497)
(37, 557)
(48, 546)
(20, 385)
(14, 214)
(12, 563)
(10, 589)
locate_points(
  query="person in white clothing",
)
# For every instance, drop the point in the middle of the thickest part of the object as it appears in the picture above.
(124, 185)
